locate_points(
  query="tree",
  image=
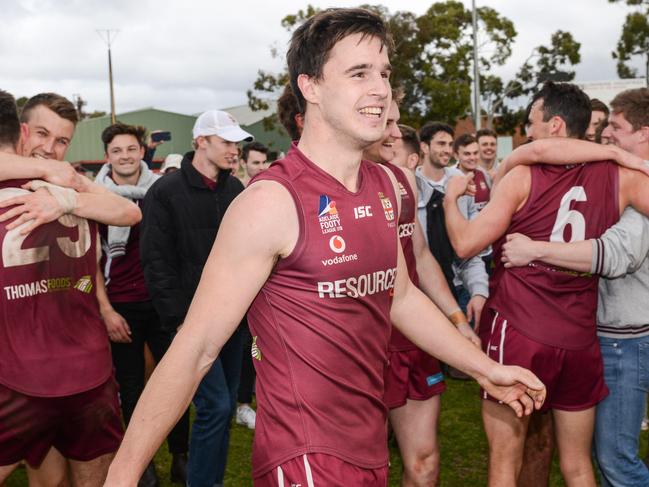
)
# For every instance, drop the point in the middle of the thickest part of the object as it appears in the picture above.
(545, 63)
(432, 60)
(634, 40)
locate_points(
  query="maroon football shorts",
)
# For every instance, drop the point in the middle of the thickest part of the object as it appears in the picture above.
(82, 427)
(412, 374)
(321, 470)
(574, 379)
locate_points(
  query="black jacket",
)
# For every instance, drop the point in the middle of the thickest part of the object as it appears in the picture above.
(179, 225)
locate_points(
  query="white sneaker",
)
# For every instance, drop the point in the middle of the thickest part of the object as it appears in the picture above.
(246, 416)
(645, 424)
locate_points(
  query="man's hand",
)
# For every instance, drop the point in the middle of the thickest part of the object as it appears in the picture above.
(518, 250)
(118, 329)
(474, 309)
(460, 185)
(466, 331)
(37, 208)
(516, 387)
(63, 174)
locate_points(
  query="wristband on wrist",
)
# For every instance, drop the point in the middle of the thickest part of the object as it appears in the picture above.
(458, 318)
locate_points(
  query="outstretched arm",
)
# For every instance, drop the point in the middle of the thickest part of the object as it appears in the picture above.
(562, 150)
(426, 326)
(244, 253)
(470, 237)
(619, 251)
(431, 278)
(92, 201)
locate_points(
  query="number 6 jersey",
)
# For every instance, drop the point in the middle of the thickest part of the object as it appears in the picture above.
(551, 305)
(52, 340)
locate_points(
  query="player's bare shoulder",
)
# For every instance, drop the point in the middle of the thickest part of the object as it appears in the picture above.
(267, 211)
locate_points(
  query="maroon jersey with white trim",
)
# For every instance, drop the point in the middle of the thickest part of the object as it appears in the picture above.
(52, 340)
(321, 322)
(482, 190)
(552, 305)
(398, 341)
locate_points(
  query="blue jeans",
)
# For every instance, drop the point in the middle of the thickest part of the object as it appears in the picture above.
(215, 401)
(619, 416)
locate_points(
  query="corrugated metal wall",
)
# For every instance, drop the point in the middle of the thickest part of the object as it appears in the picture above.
(87, 146)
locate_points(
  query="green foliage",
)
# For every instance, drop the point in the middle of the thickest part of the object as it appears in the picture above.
(634, 40)
(432, 60)
(551, 62)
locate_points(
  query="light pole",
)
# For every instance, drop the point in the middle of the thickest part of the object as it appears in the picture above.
(476, 70)
(106, 36)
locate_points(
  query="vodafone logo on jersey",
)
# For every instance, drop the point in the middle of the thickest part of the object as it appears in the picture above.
(337, 244)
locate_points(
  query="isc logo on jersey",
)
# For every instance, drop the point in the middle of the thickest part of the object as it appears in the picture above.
(328, 216)
(358, 286)
(337, 245)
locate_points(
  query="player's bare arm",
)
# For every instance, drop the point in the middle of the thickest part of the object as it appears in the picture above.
(431, 278)
(470, 237)
(520, 250)
(92, 201)
(116, 325)
(566, 150)
(259, 227)
(425, 325)
(633, 191)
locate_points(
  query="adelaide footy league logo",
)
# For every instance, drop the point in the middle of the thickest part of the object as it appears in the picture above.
(328, 216)
(387, 207)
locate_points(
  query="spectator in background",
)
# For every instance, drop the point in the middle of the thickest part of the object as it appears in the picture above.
(171, 163)
(124, 301)
(182, 214)
(150, 148)
(599, 114)
(254, 159)
(488, 147)
(432, 177)
(406, 148)
(289, 113)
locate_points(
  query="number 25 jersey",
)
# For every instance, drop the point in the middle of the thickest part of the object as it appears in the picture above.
(52, 340)
(551, 305)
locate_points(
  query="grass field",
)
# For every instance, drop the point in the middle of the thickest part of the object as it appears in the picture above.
(463, 444)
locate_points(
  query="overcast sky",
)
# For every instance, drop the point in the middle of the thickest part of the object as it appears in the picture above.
(192, 55)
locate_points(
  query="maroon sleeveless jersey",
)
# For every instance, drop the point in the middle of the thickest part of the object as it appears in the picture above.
(551, 305)
(321, 322)
(52, 340)
(398, 341)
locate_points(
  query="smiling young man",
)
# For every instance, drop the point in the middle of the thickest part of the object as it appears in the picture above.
(467, 278)
(323, 279)
(124, 301)
(488, 147)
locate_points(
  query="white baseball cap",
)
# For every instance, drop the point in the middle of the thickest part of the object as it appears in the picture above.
(218, 122)
(172, 160)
